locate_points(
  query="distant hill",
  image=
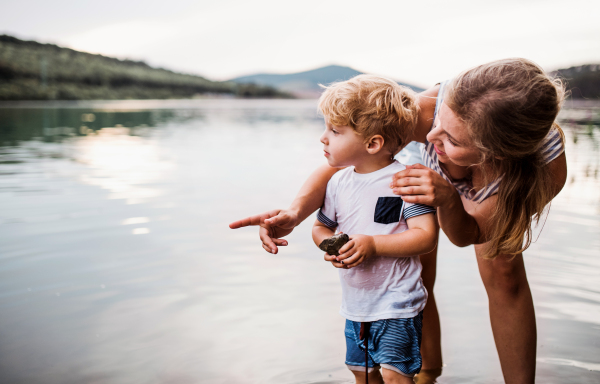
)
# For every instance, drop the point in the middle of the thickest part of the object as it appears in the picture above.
(583, 81)
(306, 84)
(33, 71)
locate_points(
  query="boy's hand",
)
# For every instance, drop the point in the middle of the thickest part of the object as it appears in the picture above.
(334, 262)
(354, 252)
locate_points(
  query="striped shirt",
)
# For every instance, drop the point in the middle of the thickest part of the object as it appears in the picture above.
(552, 148)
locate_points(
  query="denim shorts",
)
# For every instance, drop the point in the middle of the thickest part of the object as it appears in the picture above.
(393, 344)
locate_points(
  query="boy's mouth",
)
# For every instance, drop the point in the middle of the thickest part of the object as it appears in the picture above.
(326, 153)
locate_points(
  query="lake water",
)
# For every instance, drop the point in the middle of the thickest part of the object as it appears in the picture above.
(117, 264)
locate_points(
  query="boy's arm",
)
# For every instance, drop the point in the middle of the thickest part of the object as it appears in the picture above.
(320, 232)
(420, 238)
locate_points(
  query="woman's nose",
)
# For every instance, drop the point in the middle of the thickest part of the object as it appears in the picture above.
(433, 135)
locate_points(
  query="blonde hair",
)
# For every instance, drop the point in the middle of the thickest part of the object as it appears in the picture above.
(372, 105)
(509, 106)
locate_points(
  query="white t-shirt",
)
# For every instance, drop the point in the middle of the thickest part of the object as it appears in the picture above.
(380, 287)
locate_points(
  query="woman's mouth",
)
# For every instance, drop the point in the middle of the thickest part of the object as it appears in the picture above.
(438, 151)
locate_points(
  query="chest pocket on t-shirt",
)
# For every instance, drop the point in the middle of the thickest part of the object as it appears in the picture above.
(388, 210)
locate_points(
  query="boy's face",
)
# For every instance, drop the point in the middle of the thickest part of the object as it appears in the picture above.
(342, 145)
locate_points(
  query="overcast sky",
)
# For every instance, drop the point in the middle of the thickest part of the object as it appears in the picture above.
(416, 41)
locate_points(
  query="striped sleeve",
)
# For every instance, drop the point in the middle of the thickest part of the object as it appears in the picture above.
(327, 214)
(417, 210)
(553, 145)
(326, 220)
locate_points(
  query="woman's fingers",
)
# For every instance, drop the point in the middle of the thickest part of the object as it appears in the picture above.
(418, 199)
(412, 190)
(268, 249)
(267, 240)
(254, 220)
(280, 242)
(283, 219)
(248, 221)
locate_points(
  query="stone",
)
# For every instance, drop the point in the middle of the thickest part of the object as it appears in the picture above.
(332, 244)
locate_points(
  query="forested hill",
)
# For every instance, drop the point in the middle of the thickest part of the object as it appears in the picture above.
(583, 81)
(33, 71)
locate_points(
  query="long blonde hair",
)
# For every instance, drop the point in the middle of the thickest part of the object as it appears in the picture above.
(509, 106)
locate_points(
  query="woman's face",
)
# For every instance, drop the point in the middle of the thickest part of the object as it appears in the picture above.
(451, 139)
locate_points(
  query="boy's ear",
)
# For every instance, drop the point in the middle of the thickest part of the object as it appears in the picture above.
(375, 144)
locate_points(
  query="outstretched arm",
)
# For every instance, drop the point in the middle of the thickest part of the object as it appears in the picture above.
(281, 222)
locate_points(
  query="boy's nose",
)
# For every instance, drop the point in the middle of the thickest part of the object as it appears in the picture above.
(323, 138)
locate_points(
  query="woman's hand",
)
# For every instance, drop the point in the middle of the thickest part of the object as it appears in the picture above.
(354, 252)
(421, 185)
(273, 225)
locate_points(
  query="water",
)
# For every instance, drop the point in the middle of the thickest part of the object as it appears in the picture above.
(117, 265)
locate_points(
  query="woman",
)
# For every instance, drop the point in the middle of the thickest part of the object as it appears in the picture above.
(495, 158)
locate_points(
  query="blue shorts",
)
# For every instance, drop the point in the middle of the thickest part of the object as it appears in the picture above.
(393, 344)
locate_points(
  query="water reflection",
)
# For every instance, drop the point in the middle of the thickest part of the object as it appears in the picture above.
(116, 264)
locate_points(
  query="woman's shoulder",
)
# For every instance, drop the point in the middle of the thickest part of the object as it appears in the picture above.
(553, 144)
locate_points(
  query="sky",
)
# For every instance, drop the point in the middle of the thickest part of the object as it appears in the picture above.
(420, 42)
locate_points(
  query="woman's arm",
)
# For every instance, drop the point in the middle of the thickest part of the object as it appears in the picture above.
(421, 185)
(463, 221)
(281, 222)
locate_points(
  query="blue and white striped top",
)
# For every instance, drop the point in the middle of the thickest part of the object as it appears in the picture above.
(552, 148)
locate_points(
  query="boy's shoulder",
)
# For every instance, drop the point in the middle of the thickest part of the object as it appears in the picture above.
(346, 177)
(391, 169)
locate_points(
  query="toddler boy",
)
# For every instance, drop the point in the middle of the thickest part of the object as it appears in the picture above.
(368, 120)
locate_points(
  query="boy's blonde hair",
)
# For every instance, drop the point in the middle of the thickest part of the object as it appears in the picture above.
(372, 105)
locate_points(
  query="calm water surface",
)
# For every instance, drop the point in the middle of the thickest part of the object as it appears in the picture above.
(117, 265)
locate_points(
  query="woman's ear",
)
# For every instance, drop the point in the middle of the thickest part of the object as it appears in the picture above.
(375, 144)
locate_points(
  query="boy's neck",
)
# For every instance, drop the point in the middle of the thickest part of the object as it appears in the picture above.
(372, 163)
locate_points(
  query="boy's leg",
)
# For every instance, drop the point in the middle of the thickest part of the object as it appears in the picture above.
(431, 343)
(374, 377)
(393, 377)
(512, 315)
